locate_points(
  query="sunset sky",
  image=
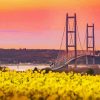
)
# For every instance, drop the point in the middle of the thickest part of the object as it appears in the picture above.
(39, 24)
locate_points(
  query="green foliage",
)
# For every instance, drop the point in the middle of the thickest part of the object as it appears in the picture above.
(35, 69)
(90, 71)
(4, 69)
(47, 70)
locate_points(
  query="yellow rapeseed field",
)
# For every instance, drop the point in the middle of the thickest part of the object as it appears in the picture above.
(48, 86)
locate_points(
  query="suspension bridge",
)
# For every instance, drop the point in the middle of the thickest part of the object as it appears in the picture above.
(71, 39)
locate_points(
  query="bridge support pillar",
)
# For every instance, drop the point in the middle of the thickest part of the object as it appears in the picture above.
(71, 39)
(90, 42)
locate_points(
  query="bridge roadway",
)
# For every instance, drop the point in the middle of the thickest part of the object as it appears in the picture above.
(64, 65)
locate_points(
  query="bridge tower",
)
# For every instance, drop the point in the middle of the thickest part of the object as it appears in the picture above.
(90, 41)
(71, 39)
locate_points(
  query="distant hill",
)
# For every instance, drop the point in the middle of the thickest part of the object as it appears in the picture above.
(35, 56)
(27, 56)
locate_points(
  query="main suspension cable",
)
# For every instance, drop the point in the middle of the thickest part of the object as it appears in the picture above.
(79, 39)
(60, 45)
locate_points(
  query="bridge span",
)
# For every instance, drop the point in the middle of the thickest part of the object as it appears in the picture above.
(71, 51)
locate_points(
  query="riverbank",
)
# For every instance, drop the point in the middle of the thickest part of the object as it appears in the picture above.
(24, 67)
(78, 69)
